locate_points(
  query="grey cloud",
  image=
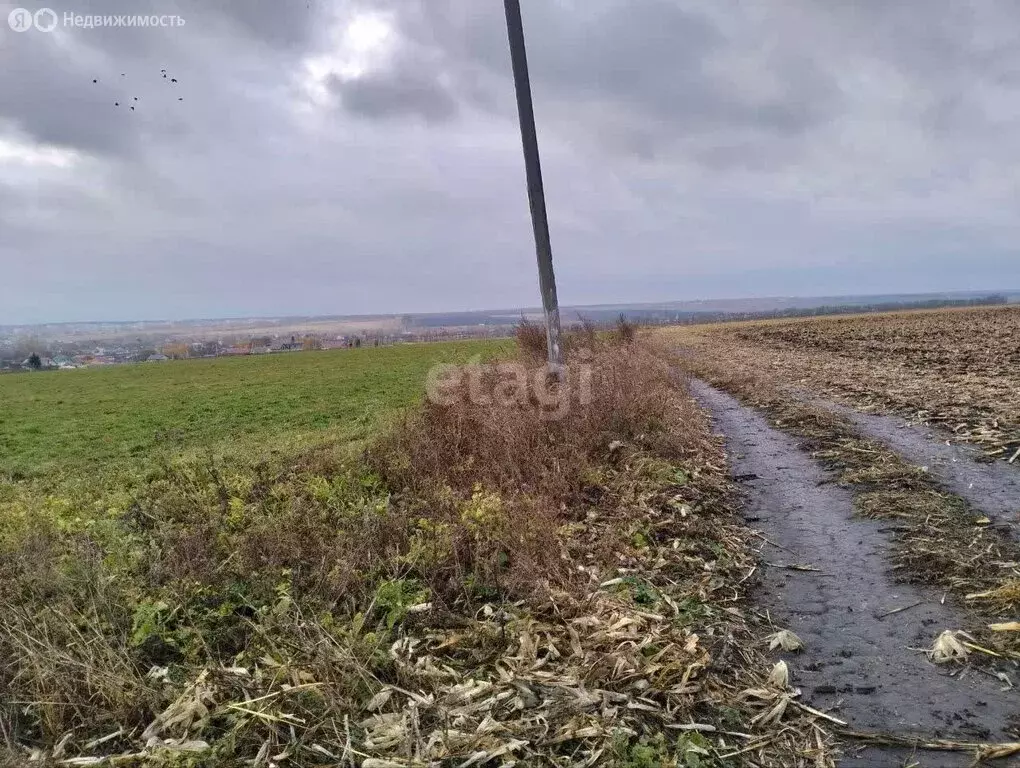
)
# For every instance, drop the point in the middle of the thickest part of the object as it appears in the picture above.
(47, 95)
(46, 87)
(631, 76)
(289, 25)
(400, 91)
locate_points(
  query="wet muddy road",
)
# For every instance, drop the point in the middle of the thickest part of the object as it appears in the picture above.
(994, 487)
(858, 664)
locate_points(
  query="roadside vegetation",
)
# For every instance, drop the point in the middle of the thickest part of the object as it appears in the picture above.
(468, 583)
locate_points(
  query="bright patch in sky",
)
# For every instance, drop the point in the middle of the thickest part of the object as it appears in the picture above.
(34, 155)
(360, 43)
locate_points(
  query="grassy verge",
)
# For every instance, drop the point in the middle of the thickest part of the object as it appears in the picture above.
(939, 539)
(485, 584)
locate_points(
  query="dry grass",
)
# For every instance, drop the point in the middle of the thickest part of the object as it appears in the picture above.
(623, 394)
(488, 584)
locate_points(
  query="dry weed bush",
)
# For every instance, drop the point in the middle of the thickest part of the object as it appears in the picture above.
(520, 447)
(532, 344)
(625, 331)
(533, 471)
(531, 339)
(584, 336)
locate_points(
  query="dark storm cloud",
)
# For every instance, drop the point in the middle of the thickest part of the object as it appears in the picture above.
(631, 75)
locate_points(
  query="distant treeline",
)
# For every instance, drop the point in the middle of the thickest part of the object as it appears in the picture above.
(666, 316)
(653, 317)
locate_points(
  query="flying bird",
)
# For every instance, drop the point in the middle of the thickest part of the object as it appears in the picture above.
(94, 80)
(173, 79)
(136, 98)
(116, 103)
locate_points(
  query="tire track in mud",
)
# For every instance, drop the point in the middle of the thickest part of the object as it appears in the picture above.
(857, 662)
(993, 488)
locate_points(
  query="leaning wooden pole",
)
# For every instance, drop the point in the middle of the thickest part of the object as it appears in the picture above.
(536, 190)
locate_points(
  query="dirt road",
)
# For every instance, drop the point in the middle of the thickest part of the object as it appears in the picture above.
(992, 487)
(861, 661)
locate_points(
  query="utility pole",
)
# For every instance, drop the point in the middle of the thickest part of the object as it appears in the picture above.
(536, 190)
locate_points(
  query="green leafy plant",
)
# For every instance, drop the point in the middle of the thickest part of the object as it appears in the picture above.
(394, 598)
(646, 752)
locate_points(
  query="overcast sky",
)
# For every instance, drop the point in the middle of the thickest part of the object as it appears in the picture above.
(363, 156)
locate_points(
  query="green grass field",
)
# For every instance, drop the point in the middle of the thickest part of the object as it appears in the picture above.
(73, 421)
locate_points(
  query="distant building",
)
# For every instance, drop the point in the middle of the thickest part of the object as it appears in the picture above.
(157, 358)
